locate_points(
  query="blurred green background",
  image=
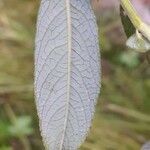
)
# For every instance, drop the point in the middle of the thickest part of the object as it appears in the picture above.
(122, 118)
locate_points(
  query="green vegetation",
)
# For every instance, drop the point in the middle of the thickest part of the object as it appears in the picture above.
(122, 119)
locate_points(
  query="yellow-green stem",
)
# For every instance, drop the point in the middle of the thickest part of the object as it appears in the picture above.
(135, 19)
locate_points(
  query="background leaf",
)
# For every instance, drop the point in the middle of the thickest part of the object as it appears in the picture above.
(22, 127)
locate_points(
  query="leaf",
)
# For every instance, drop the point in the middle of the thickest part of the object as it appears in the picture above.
(67, 72)
(129, 58)
(4, 131)
(21, 127)
(139, 44)
(129, 29)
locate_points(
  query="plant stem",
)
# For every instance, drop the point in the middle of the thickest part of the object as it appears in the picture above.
(127, 112)
(25, 142)
(135, 19)
(16, 89)
(10, 113)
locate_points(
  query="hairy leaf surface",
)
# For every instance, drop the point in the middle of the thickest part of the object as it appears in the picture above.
(67, 71)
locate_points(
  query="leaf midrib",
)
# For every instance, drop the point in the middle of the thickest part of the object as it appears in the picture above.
(69, 46)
